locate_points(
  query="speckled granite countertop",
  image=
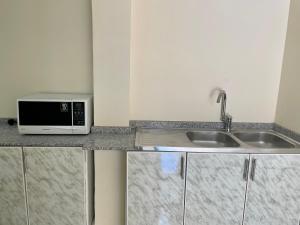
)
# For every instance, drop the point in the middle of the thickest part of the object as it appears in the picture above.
(108, 138)
(110, 141)
(97, 140)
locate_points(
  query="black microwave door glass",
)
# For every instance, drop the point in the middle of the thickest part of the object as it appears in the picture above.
(45, 113)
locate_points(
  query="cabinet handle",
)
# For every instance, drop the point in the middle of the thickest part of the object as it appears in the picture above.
(24, 161)
(252, 175)
(182, 169)
(246, 169)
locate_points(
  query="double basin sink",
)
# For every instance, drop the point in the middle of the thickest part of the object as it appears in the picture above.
(217, 139)
(198, 140)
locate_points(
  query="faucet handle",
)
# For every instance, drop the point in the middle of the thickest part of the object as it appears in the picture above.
(228, 122)
(228, 117)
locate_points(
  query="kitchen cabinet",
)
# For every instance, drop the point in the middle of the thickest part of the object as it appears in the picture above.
(155, 188)
(273, 195)
(215, 188)
(12, 192)
(58, 188)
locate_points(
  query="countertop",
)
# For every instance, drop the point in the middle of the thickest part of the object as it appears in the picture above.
(108, 138)
(97, 140)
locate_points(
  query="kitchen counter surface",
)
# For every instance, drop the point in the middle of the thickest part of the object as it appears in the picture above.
(97, 140)
(124, 138)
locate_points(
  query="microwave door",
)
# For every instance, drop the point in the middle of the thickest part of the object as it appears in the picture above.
(34, 113)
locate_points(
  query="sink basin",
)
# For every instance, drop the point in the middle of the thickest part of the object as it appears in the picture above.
(211, 139)
(263, 140)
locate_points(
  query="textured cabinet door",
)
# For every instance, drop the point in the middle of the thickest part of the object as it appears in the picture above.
(273, 196)
(155, 188)
(215, 189)
(12, 192)
(55, 185)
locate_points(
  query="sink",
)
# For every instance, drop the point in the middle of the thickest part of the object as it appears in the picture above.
(211, 139)
(263, 140)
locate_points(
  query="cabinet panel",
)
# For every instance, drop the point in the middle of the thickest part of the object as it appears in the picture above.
(273, 196)
(215, 189)
(155, 188)
(55, 185)
(12, 197)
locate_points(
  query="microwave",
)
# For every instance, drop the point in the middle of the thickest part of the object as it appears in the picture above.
(49, 113)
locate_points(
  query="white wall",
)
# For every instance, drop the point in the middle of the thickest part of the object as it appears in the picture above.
(45, 46)
(111, 47)
(288, 110)
(181, 50)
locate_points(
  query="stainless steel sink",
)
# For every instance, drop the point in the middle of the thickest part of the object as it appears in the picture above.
(218, 141)
(211, 139)
(263, 140)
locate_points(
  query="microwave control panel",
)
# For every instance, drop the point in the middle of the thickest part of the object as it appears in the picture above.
(78, 114)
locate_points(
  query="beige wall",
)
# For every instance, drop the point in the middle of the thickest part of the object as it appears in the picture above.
(110, 187)
(181, 50)
(111, 47)
(288, 110)
(45, 46)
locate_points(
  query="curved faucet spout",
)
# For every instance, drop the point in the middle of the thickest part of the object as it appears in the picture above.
(225, 118)
(222, 97)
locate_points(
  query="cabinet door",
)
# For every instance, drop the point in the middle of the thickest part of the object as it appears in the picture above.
(155, 188)
(12, 191)
(215, 188)
(55, 185)
(273, 195)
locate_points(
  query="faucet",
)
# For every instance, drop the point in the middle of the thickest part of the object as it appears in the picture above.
(225, 117)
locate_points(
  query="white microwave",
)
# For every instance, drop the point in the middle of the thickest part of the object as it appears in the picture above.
(49, 113)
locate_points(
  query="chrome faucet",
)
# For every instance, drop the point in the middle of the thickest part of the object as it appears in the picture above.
(225, 117)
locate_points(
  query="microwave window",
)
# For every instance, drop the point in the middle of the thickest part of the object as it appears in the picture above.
(45, 113)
